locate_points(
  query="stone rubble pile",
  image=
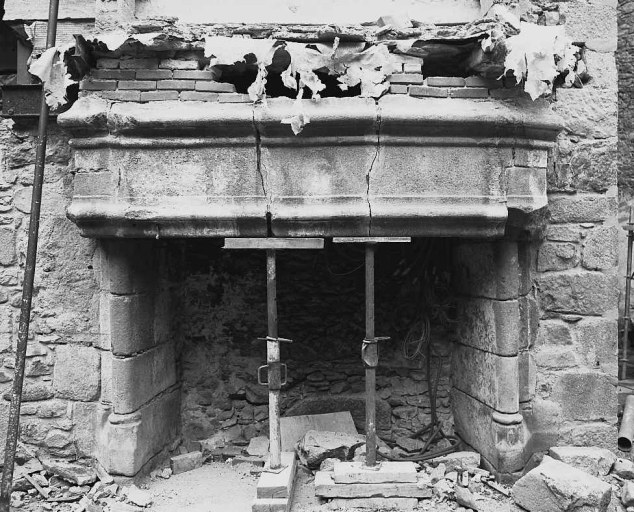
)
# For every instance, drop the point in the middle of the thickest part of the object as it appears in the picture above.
(43, 483)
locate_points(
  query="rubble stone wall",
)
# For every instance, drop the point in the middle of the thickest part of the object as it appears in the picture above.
(220, 300)
(625, 60)
(62, 381)
(575, 266)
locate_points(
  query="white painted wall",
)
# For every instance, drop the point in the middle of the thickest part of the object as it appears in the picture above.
(308, 11)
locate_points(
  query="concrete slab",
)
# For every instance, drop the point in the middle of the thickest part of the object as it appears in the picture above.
(387, 472)
(325, 487)
(278, 485)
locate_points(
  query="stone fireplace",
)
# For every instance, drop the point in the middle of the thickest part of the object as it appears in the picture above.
(161, 183)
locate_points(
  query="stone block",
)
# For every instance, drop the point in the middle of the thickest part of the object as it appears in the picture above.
(278, 485)
(556, 357)
(488, 83)
(586, 396)
(7, 246)
(554, 332)
(127, 442)
(128, 266)
(500, 445)
(581, 208)
(592, 460)
(598, 340)
(131, 323)
(234, 98)
(186, 462)
(490, 378)
(556, 487)
(489, 325)
(325, 487)
(85, 427)
(578, 292)
(557, 256)
(487, 269)
(458, 461)
(600, 248)
(624, 468)
(378, 504)
(317, 446)
(601, 434)
(563, 233)
(138, 379)
(356, 472)
(527, 376)
(524, 157)
(529, 321)
(77, 372)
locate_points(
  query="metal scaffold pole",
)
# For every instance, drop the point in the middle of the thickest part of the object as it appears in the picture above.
(27, 287)
(626, 310)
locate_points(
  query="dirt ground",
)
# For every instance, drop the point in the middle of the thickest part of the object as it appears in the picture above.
(221, 487)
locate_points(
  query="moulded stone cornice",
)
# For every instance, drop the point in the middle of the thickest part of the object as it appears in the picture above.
(397, 166)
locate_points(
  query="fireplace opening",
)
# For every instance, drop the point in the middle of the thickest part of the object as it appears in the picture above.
(219, 309)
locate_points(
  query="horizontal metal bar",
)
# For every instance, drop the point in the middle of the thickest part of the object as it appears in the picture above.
(274, 243)
(370, 239)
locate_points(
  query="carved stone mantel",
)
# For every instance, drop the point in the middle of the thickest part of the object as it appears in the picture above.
(397, 166)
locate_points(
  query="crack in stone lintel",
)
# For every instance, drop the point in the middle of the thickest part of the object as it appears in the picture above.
(374, 159)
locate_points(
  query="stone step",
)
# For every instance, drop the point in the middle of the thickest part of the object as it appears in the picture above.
(325, 487)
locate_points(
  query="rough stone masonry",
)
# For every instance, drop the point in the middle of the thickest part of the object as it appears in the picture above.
(102, 323)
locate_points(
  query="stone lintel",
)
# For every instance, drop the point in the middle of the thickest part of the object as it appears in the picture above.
(403, 167)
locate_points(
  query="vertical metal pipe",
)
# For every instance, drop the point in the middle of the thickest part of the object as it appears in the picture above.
(628, 289)
(370, 369)
(273, 361)
(27, 287)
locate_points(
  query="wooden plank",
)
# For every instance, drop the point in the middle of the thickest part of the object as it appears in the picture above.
(387, 472)
(278, 485)
(371, 239)
(274, 243)
(38, 9)
(325, 487)
(293, 428)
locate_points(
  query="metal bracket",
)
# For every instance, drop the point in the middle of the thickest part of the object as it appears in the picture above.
(280, 340)
(283, 371)
(370, 350)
